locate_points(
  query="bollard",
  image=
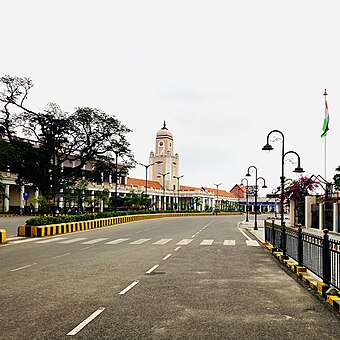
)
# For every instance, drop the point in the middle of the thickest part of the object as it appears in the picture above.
(300, 245)
(326, 277)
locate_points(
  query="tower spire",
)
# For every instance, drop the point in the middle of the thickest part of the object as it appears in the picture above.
(164, 125)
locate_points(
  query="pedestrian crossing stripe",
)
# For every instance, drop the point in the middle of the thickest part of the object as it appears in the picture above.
(163, 241)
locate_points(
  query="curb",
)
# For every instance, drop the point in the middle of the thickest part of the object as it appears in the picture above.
(328, 293)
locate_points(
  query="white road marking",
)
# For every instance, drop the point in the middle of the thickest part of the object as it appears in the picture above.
(86, 321)
(252, 243)
(152, 269)
(140, 241)
(177, 248)
(184, 242)
(14, 238)
(229, 242)
(24, 241)
(95, 240)
(74, 240)
(118, 240)
(55, 257)
(166, 257)
(206, 242)
(163, 241)
(193, 235)
(86, 248)
(244, 234)
(52, 240)
(29, 265)
(128, 287)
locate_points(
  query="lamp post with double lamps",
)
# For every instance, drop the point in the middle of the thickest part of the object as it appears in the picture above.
(298, 169)
(163, 174)
(255, 193)
(217, 205)
(146, 181)
(245, 179)
(178, 177)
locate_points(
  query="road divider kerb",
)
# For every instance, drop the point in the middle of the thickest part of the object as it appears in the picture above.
(330, 294)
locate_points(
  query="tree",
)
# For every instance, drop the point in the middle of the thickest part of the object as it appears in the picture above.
(86, 136)
(336, 179)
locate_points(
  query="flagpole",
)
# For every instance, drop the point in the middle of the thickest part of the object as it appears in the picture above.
(325, 143)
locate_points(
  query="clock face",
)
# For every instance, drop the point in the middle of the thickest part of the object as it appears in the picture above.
(160, 143)
(170, 145)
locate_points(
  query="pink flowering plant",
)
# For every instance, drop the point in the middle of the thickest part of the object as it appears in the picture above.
(299, 188)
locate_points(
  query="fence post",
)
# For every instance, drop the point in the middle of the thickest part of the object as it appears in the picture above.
(300, 245)
(273, 232)
(283, 238)
(326, 277)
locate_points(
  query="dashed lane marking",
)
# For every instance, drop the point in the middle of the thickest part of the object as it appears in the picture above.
(24, 267)
(152, 269)
(128, 287)
(86, 321)
(166, 257)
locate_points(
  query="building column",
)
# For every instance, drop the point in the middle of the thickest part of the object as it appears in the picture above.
(309, 200)
(336, 216)
(321, 206)
(6, 205)
(22, 202)
(36, 203)
(292, 212)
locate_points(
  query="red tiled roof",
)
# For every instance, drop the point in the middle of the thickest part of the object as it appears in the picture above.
(136, 182)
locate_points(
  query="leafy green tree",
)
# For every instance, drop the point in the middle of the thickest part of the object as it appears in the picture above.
(336, 179)
(86, 136)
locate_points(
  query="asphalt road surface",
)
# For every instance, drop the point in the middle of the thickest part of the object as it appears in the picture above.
(172, 278)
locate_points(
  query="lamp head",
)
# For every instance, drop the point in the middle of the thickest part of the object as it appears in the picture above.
(264, 186)
(267, 147)
(299, 170)
(248, 174)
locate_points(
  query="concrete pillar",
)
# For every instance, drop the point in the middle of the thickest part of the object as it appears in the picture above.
(6, 205)
(321, 207)
(292, 212)
(36, 204)
(336, 217)
(309, 200)
(22, 201)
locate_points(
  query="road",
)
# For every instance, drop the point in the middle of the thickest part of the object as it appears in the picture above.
(180, 278)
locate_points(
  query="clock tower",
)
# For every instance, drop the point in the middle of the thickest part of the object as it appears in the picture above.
(166, 163)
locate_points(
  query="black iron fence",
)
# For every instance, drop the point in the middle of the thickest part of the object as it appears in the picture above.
(317, 253)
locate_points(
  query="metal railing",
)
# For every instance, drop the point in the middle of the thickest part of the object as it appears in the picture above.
(317, 253)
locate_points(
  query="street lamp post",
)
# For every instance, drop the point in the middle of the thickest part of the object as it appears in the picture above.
(245, 179)
(255, 194)
(217, 185)
(178, 177)
(116, 179)
(164, 174)
(146, 180)
(298, 169)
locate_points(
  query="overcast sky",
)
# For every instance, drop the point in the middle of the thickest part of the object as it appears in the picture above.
(222, 74)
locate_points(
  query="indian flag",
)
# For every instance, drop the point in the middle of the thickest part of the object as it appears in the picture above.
(325, 127)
